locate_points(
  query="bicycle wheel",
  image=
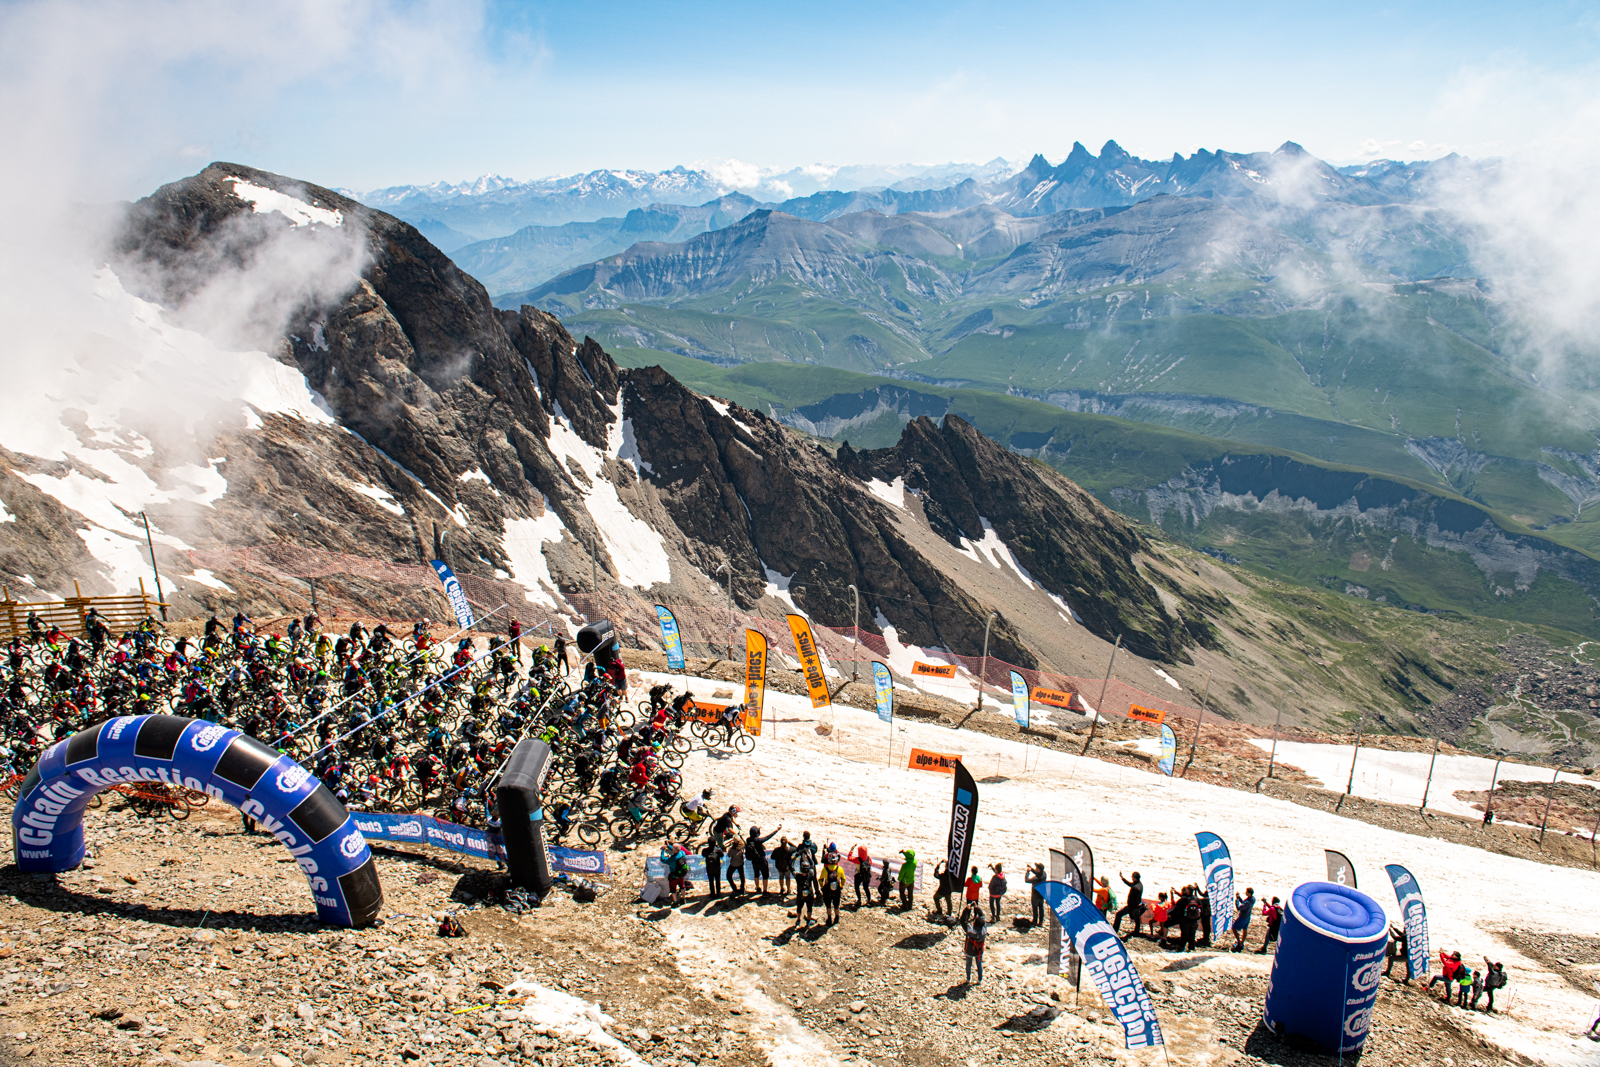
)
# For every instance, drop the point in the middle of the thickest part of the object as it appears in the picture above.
(624, 719)
(744, 743)
(588, 833)
(624, 828)
(680, 832)
(682, 744)
(672, 758)
(179, 809)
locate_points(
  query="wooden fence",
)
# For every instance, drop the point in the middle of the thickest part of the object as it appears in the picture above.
(120, 613)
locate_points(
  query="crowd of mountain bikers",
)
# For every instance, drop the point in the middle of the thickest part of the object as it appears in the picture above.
(387, 721)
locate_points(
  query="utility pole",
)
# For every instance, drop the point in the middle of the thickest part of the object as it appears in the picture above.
(725, 567)
(1094, 722)
(855, 638)
(148, 540)
(1431, 761)
(1273, 759)
(985, 668)
(1200, 719)
(1488, 803)
(1351, 784)
(1549, 798)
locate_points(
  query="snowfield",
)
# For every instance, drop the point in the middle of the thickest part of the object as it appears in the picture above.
(853, 786)
(1401, 777)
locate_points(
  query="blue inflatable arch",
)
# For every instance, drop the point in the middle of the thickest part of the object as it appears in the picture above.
(228, 764)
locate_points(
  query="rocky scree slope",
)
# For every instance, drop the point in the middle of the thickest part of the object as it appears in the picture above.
(461, 428)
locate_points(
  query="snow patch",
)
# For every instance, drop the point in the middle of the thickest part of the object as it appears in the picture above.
(1066, 612)
(995, 551)
(6, 516)
(627, 449)
(1169, 679)
(474, 475)
(551, 1011)
(891, 493)
(264, 201)
(210, 580)
(524, 547)
(636, 549)
(778, 587)
(380, 497)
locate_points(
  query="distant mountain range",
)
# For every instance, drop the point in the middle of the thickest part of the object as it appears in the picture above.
(1267, 307)
(455, 214)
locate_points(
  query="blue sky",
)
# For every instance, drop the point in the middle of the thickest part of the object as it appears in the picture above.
(363, 93)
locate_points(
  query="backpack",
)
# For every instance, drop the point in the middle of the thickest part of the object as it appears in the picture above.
(832, 878)
(1496, 978)
(998, 886)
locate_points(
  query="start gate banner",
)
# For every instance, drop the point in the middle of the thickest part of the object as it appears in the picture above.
(671, 640)
(755, 671)
(1056, 698)
(1146, 714)
(452, 591)
(805, 646)
(933, 670)
(938, 762)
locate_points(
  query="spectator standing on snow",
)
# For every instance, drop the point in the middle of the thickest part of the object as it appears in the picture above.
(1134, 909)
(1449, 966)
(885, 884)
(977, 932)
(973, 889)
(908, 877)
(830, 880)
(736, 863)
(1494, 978)
(863, 878)
(1273, 913)
(805, 885)
(1463, 986)
(1035, 877)
(1244, 909)
(756, 848)
(712, 854)
(944, 887)
(1395, 950)
(1102, 895)
(783, 860)
(997, 892)
(1188, 909)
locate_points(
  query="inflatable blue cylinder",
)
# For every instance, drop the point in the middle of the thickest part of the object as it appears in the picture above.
(1325, 975)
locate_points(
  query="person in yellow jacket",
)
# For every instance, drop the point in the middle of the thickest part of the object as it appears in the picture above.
(830, 879)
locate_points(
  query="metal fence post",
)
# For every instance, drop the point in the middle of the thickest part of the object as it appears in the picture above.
(1433, 759)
